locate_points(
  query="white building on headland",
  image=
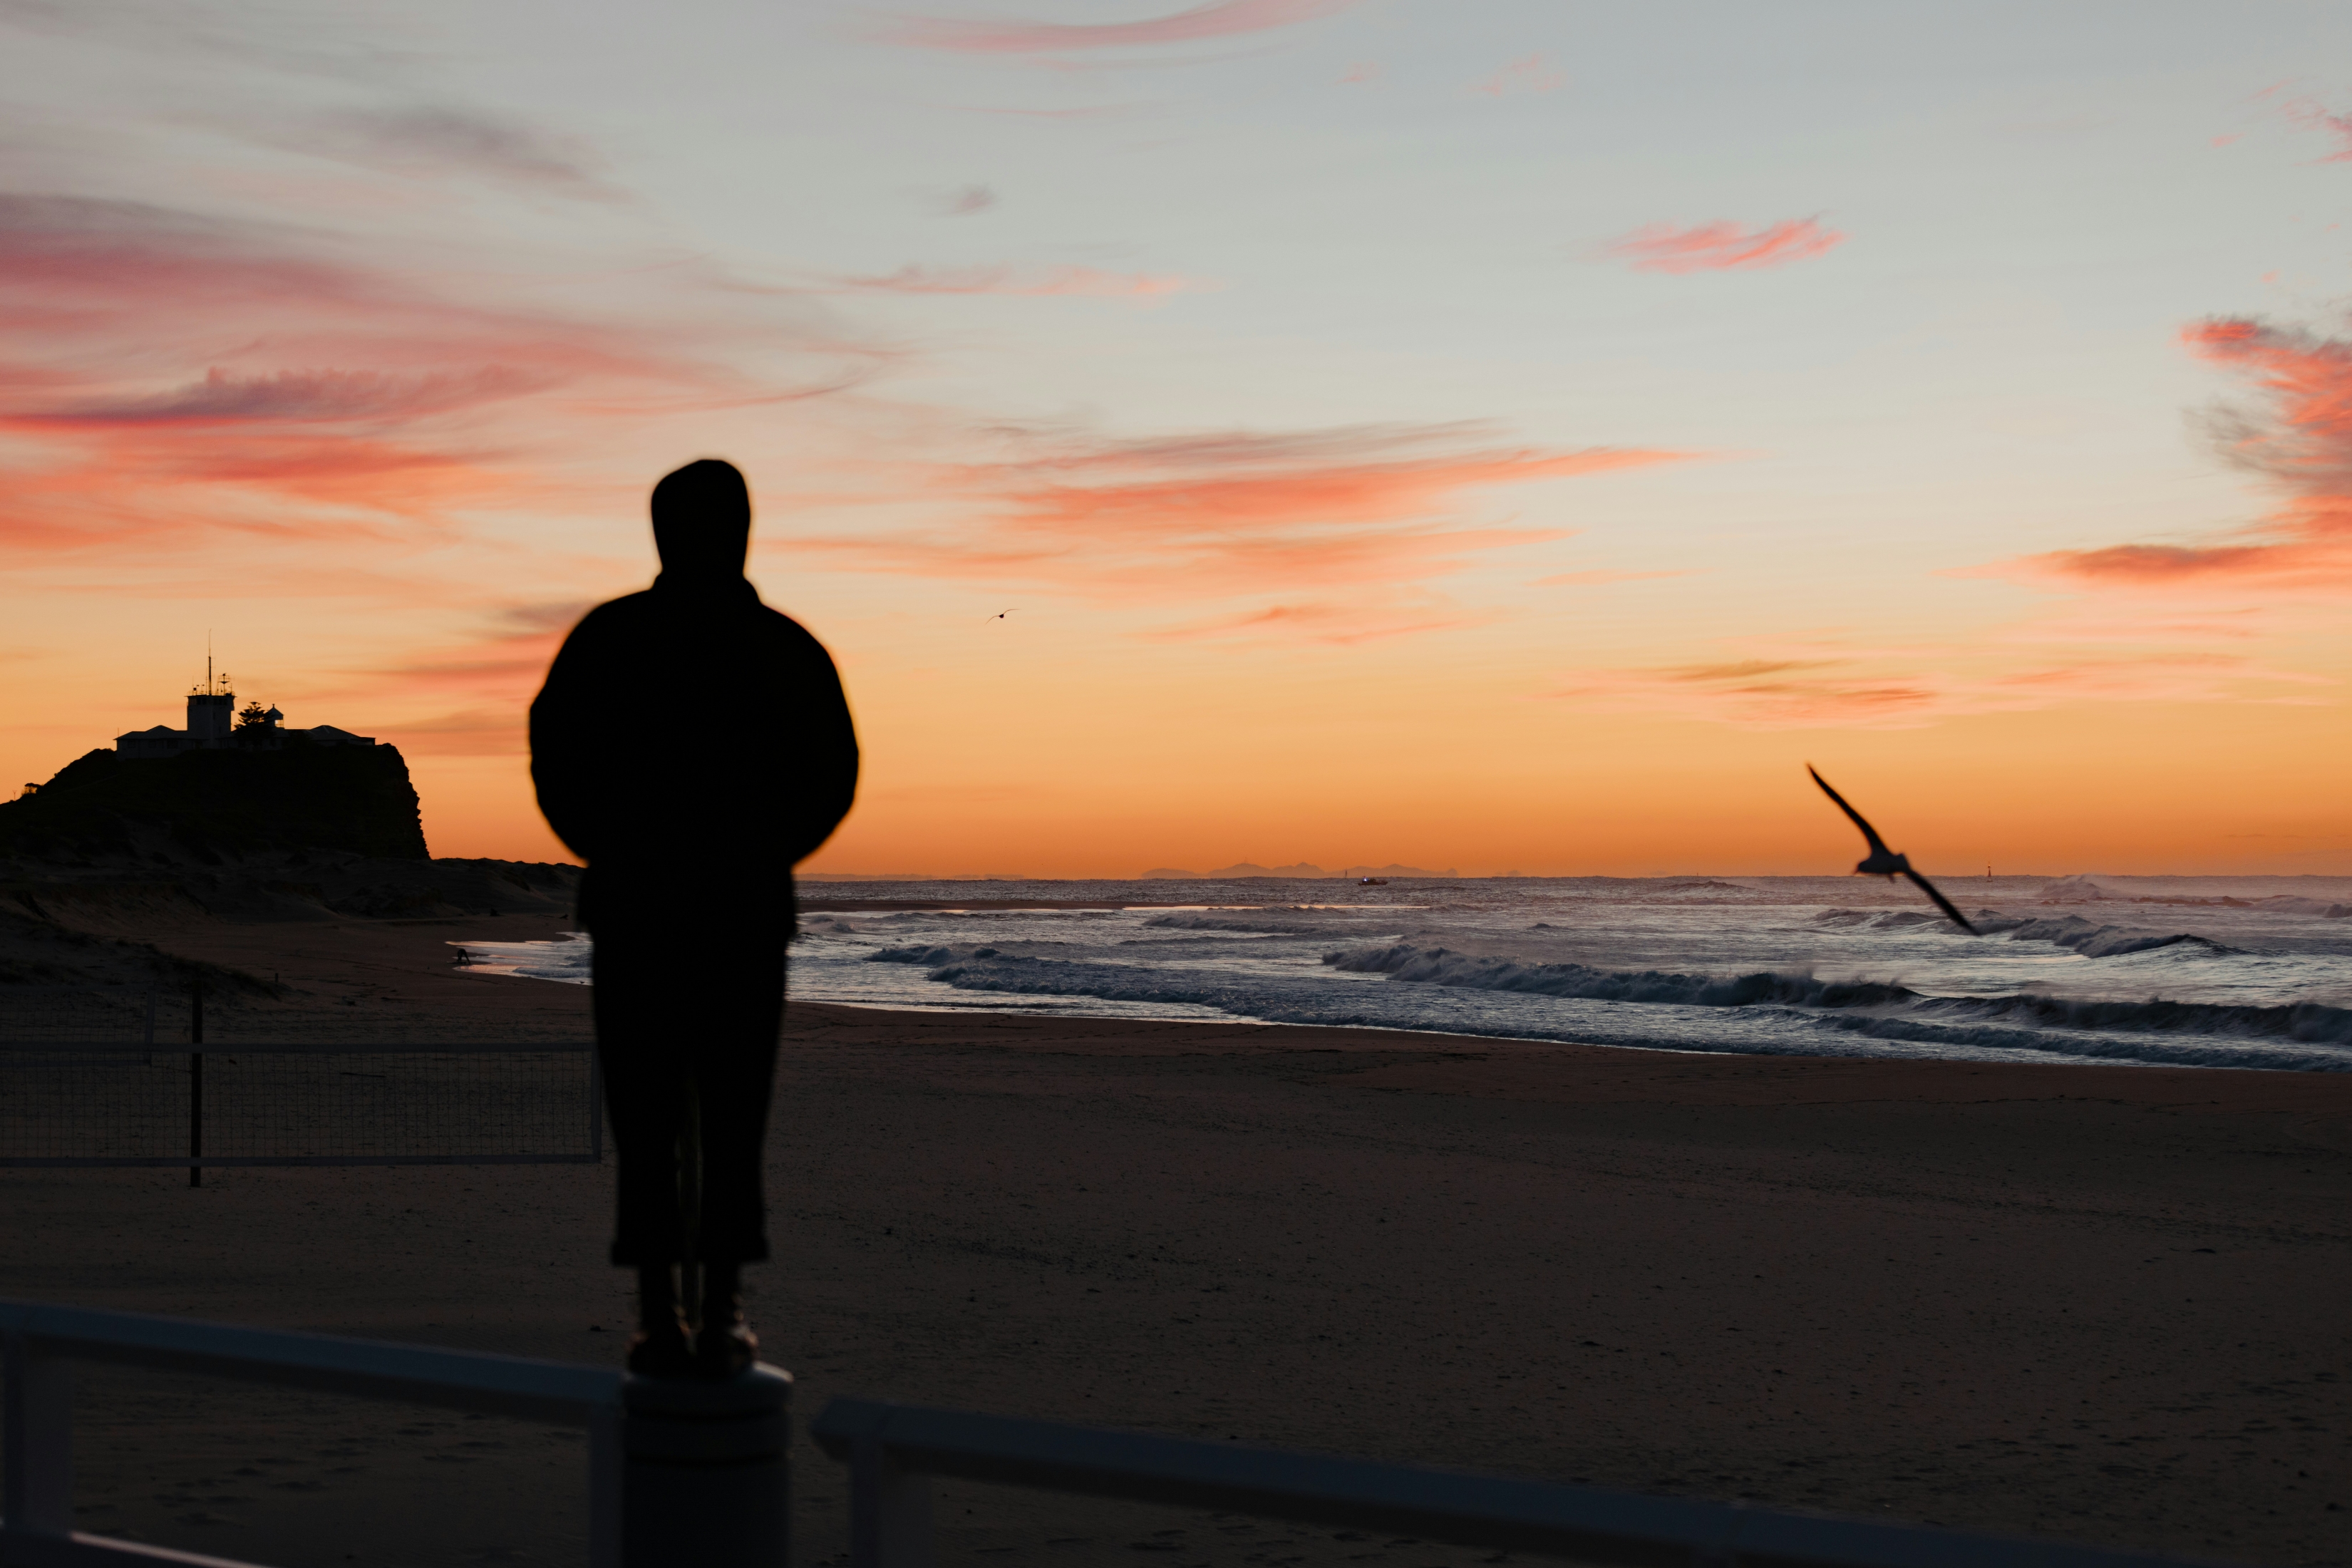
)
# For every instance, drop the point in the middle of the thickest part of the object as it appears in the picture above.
(215, 725)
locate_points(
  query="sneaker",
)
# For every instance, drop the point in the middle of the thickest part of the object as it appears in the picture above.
(720, 1351)
(663, 1350)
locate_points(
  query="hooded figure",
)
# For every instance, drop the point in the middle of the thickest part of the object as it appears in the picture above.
(691, 744)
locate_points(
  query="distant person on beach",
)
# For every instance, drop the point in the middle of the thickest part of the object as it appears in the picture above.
(691, 745)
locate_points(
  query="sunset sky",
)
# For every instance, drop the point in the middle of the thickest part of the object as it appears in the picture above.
(1509, 437)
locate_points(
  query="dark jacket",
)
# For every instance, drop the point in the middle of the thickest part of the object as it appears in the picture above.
(691, 744)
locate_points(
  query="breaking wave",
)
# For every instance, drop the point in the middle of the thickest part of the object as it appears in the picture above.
(1763, 1013)
(2309, 1021)
(2065, 930)
(1437, 966)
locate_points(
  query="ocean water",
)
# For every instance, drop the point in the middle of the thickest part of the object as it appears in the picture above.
(2185, 970)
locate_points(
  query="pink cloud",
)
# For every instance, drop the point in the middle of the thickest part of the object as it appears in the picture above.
(2308, 114)
(2299, 439)
(1231, 514)
(299, 397)
(1533, 74)
(166, 374)
(1224, 19)
(1722, 246)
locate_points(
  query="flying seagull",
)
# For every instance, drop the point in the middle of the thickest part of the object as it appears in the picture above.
(1002, 613)
(1885, 862)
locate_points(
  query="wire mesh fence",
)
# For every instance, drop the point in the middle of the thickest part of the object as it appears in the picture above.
(88, 1078)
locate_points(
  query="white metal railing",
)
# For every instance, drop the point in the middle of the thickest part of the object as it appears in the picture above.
(893, 1449)
(42, 1342)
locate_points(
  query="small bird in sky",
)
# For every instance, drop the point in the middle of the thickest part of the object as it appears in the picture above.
(1886, 862)
(1002, 613)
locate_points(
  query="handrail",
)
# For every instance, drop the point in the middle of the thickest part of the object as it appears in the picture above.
(889, 1447)
(40, 1342)
(324, 1048)
(372, 1369)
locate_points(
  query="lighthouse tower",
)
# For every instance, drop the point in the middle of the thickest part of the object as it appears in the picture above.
(212, 708)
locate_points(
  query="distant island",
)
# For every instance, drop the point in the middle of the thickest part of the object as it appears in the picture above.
(1301, 870)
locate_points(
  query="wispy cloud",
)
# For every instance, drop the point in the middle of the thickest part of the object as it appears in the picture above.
(1534, 74)
(299, 397)
(439, 140)
(966, 200)
(1336, 624)
(1224, 19)
(1601, 578)
(468, 696)
(1898, 688)
(1226, 515)
(2310, 114)
(1081, 280)
(172, 372)
(1722, 246)
(2298, 438)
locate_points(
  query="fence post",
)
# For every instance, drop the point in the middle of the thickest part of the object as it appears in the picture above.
(37, 1429)
(704, 1481)
(596, 1107)
(889, 1508)
(196, 1080)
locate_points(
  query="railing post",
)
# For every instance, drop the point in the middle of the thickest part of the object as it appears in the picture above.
(890, 1509)
(704, 1482)
(37, 1429)
(606, 1481)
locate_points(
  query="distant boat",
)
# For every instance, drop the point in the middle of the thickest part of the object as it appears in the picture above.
(1371, 881)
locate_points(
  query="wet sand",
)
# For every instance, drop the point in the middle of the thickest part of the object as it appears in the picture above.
(2099, 1303)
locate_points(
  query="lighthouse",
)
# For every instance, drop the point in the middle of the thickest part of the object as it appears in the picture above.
(213, 725)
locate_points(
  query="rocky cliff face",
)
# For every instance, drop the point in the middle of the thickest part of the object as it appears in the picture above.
(208, 807)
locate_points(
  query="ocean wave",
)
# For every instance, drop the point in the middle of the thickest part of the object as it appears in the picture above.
(1440, 966)
(2312, 1022)
(2092, 941)
(2306, 1022)
(2195, 1052)
(2098, 941)
(1267, 923)
(1764, 1026)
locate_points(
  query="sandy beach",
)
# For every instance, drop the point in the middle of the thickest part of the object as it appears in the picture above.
(2100, 1303)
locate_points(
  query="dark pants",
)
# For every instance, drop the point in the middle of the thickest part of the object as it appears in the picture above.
(689, 1011)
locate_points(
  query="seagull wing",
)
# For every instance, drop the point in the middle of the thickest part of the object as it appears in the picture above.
(1942, 902)
(1877, 845)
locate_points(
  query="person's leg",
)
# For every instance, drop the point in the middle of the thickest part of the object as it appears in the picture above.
(644, 1099)
(736, 1070)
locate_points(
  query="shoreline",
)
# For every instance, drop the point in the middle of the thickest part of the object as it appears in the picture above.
(347, 978)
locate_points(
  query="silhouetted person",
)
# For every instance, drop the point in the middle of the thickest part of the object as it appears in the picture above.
(690, 745)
